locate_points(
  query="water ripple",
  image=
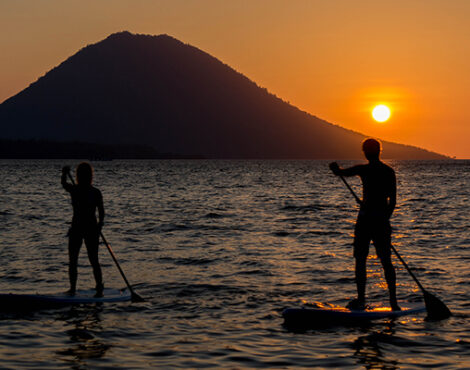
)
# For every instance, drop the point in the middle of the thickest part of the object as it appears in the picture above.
(219, 249)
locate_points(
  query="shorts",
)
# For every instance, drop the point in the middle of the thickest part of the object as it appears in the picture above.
(90, 235)
(378, 230)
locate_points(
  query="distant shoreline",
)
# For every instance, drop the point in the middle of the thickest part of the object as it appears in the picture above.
(46, 149)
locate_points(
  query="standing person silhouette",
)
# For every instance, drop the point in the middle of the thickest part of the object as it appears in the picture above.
(86, 199)
(377, 205)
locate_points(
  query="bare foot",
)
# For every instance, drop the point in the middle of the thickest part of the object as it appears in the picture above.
(356, 305)
(99, 291)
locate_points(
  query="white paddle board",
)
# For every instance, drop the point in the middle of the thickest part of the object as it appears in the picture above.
(22, 302)
(317, 314)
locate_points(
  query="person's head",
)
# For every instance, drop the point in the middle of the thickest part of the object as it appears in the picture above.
(371, 148)
(84, 174)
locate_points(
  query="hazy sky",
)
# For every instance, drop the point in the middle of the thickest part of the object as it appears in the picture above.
(332, 58)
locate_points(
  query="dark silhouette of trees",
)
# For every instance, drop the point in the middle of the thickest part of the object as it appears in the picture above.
(46, 149)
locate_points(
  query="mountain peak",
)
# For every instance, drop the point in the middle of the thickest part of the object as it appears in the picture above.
(126, 36)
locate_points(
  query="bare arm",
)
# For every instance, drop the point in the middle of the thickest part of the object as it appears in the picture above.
(392, 199)
(63, 179)
(338, 171)
(100, 211)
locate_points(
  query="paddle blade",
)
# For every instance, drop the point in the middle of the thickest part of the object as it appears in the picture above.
(437, 310)
(136, 298)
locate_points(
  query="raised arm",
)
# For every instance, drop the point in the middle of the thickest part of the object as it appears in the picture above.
(63, 179)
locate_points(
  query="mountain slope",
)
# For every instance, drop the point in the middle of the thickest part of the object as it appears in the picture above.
(157, 91)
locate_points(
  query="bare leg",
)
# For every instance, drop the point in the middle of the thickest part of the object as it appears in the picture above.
(92, 249)
(361, 278)
(75, 242)
(390, 277)
(361, 251)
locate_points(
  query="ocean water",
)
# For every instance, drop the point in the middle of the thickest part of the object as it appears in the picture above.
(219, 249)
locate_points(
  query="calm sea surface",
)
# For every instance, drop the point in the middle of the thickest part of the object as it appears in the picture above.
(219, 249)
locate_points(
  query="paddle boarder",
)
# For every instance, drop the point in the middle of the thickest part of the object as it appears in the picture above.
(377, 205)
(86, 200)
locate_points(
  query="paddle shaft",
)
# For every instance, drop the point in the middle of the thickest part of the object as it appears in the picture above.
(134, 295)
(391, 245)
(111, 252)
(351, 190)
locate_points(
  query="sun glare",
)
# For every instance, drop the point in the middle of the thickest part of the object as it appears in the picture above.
(381, 113)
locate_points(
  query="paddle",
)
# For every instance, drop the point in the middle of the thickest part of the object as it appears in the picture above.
(134, 296)
(436, 309)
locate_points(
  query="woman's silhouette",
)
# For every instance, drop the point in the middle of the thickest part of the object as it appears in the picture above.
(86, 199)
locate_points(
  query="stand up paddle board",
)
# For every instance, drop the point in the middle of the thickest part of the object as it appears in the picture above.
(320, 314)
(27, 302)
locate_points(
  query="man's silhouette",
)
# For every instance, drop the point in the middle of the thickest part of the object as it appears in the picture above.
(86, 199)
(378, 203)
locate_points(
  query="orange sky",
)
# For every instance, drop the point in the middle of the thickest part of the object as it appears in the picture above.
(332, 58)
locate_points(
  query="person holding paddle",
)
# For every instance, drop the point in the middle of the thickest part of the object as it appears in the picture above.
(376, 208)
(86, 199)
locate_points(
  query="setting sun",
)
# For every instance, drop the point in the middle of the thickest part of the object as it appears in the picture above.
(381, 113)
